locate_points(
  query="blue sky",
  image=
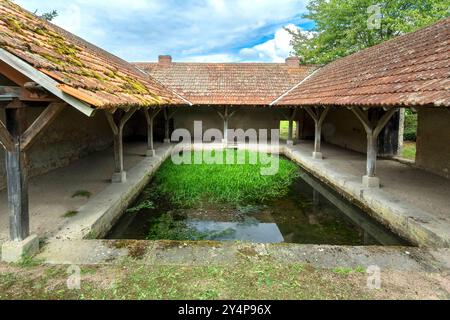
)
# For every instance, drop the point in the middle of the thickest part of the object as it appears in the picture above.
(190, 30)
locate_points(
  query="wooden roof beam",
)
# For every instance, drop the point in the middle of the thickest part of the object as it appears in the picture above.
(40, 124)
(5, 138)
(48, 83)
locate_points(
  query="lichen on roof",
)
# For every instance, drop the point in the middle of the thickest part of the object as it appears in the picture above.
(106, 79)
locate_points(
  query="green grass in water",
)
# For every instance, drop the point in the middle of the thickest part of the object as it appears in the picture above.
(187, 185)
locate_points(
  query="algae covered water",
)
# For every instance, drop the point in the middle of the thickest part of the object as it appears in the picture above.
(299, 209)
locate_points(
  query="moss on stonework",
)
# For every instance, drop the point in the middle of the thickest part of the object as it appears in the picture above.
(53, 59)
(110, 74)
(14, 24)
(132, 86)
(40, 31)
(97, 76)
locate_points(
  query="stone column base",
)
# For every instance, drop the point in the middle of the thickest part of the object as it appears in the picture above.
(119, 177)
(14, 251)
(317, 155)
(290, 143)
(150, 153)
(166, 141)
(371, 182)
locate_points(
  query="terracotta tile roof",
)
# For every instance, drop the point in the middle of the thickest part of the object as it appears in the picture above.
(82, 69)
(254, 84)
(413, 69)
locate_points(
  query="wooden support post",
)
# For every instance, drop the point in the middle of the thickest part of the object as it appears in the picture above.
(290, 130)
(290, 118)
(225, 126)
(319, 118)
(168, 116)
(150, 116)
(119, 176)
(16, 170)
(166, 126)
(291, 127)
(16, 138)
(226, 116)
(373, 130)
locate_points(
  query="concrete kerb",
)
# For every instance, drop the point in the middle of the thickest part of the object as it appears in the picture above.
(418, 226)
(154, 253)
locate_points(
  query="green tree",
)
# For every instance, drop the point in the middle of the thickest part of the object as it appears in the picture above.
(347, 26)
(49, 16)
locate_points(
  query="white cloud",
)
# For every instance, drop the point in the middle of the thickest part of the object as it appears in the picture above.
(220, 57)
(140, 30)
(70, 18)
(274, 50)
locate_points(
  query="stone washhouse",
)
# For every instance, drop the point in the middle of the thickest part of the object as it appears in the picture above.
(63, 99)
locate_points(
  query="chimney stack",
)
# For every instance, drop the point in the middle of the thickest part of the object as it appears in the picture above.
(165, 60)
(293, 62)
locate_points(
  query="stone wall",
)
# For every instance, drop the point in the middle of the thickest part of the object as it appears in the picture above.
(433, 141)
(342, 128)
(245, 118)
(71, 136)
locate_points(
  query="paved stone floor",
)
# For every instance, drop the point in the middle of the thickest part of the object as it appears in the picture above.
(422, 189)
(51, 193)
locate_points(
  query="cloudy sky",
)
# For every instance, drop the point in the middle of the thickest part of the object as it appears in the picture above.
(189, 30)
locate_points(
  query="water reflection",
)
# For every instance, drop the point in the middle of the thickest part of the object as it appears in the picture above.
(310, 214)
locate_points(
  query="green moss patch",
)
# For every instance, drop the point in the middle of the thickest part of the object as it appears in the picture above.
(70, 214)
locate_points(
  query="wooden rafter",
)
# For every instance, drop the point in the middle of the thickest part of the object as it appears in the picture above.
(291, 116)
(8, 93)
(40, 124)
(376, 127)
(319, 118)
(5, 138)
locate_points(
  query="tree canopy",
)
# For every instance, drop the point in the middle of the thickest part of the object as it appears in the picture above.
(49, 16)
(343, 27)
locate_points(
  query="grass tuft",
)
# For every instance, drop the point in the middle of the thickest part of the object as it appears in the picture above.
(82, 194)
(346, 271)
(146, 204)
(70, 214)
(28, 262)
